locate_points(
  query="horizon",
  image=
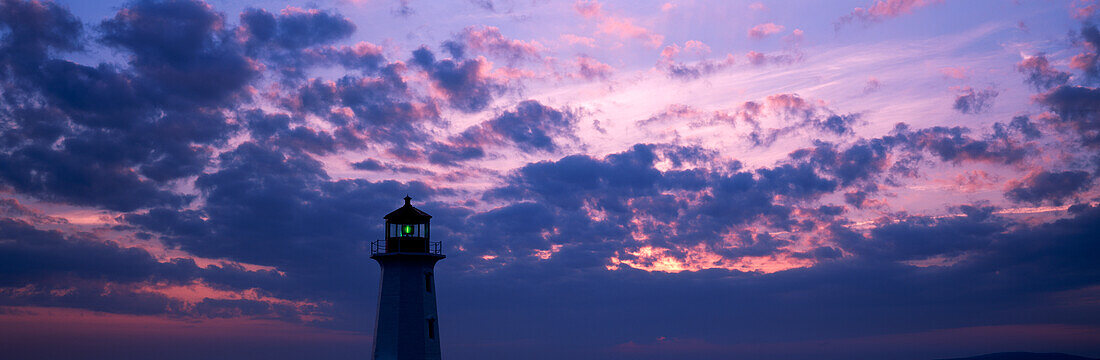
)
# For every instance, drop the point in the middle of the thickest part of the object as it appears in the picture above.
(902, 179)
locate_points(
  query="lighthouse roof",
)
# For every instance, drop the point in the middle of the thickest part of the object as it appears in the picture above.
(408, 214)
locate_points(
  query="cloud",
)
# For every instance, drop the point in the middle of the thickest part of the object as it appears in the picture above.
(957, 73)
(579, 40)
(110, 136)
(1076, 111)
(34, 29)
(465, 84)
(971, 101)
(761, 59)
(380, 109)
(693, 69)
(276, 129)
(920, 238)
(1087, 60)
(296, 40)
(873, 84)
(530, 126)
(882, 10)
(294, 28)
(1048, 186)
(588, 8)
(375, 165)
(488, 40)
(621, 27)
(763, 30)
(589, 68)
(1040, 74)
(82, 271)
(625, 28)
(952, 144)
(796, 113)
(183, 46)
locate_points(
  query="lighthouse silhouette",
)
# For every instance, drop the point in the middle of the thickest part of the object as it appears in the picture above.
(407, 323)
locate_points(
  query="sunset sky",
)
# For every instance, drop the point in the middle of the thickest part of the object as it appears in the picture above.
(849, 179)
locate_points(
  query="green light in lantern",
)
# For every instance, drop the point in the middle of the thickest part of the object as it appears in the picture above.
(407, 229)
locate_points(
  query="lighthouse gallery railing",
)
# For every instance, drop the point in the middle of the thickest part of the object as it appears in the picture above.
(381, 247)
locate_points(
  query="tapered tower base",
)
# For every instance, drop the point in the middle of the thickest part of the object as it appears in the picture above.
(407, 324)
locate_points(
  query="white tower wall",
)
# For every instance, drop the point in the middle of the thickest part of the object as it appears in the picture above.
(407, 325)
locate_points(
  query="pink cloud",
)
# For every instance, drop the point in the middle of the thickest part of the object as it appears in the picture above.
(691, 70)
(795, 37)
(973, 181)
(590, 68)
(621, 27)
(668, 7)
(625, 28)
(589, 8)
(758, 59)
(882, 10)
(488, 39)
(763, 30)
(697, 47)
(579, 40)
(1084, 9)
(873, 84)
(758, 6)
(957, 73)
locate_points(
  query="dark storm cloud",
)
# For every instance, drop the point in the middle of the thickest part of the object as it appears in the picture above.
(1088, 60)
(1078, 111)
(861, 161)
(921, 238)
(276, 129)
(530, 126)
(73, 271)
(296, 40)
(971, 101)
(1049, 186)
(32, 30)
(489, 41)
(295, 28)
(464, 83)
(183, 47)
(30, 253)
(383, 109)
(628, 185)
(375, 165)
(111, 136)
(1018, 268)
(1019, 124)
(953, 144)
(1040, 74)
(452, 154)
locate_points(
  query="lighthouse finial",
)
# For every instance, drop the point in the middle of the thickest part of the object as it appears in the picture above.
(408, 199)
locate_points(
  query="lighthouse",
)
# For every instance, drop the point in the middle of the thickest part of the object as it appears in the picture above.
(407, 325)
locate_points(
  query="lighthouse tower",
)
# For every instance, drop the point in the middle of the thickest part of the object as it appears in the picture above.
(407, 323)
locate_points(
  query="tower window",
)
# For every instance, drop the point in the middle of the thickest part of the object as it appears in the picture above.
(431, 328)
(428, 282)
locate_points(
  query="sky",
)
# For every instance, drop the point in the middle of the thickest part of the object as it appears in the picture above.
(850, 179)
